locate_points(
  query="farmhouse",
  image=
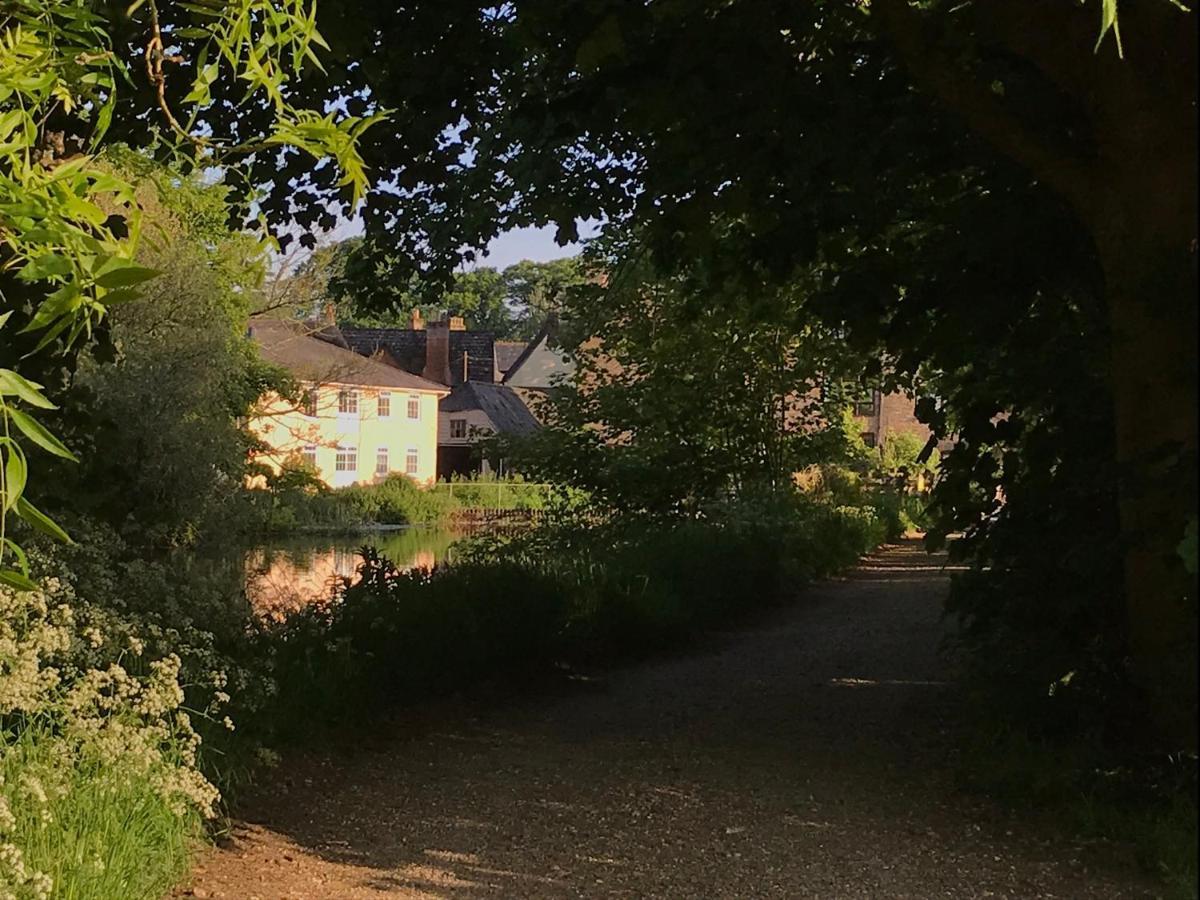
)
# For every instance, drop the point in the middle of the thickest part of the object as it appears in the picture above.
(359, 419)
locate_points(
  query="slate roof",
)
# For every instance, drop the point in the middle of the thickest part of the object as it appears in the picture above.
(328, 332)
(543, 361)
(507, 353)
(500, 403)
(407, 349)
(295, 347)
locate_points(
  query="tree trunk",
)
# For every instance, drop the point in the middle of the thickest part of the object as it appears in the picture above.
(1135, 191)
(1151, 294)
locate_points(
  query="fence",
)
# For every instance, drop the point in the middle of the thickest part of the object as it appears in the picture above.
(493, 520)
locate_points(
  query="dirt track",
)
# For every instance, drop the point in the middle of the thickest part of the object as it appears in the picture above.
(802, 757)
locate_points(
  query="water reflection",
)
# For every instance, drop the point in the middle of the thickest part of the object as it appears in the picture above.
(289, 573)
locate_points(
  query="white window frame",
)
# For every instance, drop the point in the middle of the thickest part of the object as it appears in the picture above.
(456, 426)
(346, 459)
(414, 403)
(381, 456)
(412, 461)
(384, 405)
(347, 402)
(309, 455)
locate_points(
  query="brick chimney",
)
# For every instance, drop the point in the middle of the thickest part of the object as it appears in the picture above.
(437, 352)
(416, 323)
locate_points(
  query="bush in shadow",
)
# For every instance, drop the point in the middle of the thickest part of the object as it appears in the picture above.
(584, 590)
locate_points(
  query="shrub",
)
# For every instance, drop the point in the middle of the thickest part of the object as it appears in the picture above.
(176, 605)
(585, 588)
(101, 794)
(296, 502)
(396, 636)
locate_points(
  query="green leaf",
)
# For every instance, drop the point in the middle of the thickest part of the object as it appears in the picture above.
(103, 120)
(51, 333)
(125, 276)
(36, 432)
(1108, 22)
(41, 521)
(16, 476)
(23, 389)
(22, 559)
(45, 266)
(55, 306)
(15, 579)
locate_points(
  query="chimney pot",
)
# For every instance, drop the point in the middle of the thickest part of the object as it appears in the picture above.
(457, 323)
(417, 323)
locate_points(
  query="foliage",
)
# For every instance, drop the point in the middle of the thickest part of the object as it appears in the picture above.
(539, 290)
(182, 603)
(480, 491)
(901, 450)
(686, 390)
(946, 172)
(70, 226)
(298, 499)
(584, 589)
(100, 794)
(397, 500)
(1043, 604)
(301, 500)
(1150, 808)
(163, 459)
(513, 304)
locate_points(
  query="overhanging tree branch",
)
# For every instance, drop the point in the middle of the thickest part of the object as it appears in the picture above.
(934, 71)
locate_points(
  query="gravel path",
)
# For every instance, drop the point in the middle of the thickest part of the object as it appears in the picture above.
(801, 757)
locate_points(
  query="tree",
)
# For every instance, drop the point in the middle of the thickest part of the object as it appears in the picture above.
(684, 392)
(70, 226)
(162, 458)
(878, 138)
(539, 289)
(885, 144)
(373, 288)
(368, 296)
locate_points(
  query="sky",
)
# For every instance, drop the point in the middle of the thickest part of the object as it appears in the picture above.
(525, 243)
(511, 247)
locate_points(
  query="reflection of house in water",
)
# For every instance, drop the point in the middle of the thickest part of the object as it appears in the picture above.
(282, 581)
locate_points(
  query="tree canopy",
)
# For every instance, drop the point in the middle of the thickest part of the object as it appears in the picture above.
(70, 224)
(948, 174)
(370, 289)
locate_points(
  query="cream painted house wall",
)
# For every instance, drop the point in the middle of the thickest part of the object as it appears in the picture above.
(396, 442)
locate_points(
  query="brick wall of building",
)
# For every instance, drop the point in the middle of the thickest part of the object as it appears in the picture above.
(891, 413)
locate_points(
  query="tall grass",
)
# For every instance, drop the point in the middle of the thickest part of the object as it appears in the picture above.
(83, 825)
(1147, 807)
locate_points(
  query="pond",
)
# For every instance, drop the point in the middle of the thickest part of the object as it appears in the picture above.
(288, 572)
